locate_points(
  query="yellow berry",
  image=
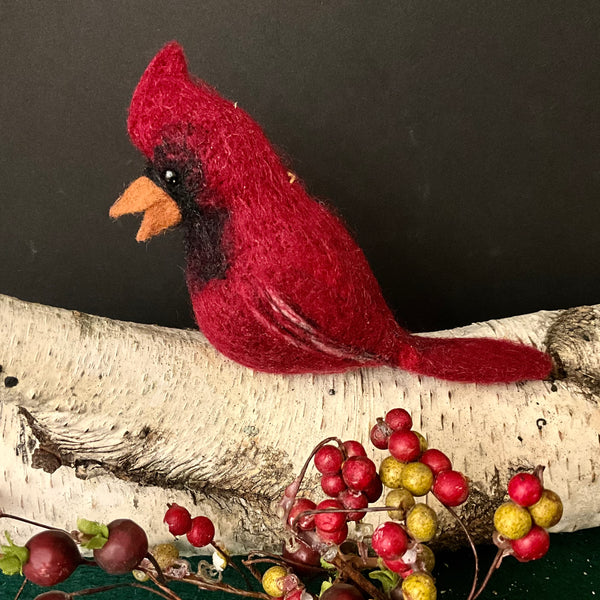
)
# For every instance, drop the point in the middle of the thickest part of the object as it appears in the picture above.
(426, 554)
(417, 478)
(165, 555)
(422, 441)
(402, 498)
(271, 581)
(419, 586)
(512, 521)
(548, 510)
(390, 472)
(422, 522)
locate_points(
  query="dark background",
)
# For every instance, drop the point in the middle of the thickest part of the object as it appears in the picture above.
(459, 140)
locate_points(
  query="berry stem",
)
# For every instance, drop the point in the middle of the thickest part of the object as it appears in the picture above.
(493, 567)
(160, 575)
(113, 586)
(229, 560)
(20, 591)
(29, 521)
(224, 587)
(291, 491)
(262, 557)
(473, 549)
(363, 583)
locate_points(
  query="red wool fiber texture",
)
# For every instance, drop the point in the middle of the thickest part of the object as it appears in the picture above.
(298, 294)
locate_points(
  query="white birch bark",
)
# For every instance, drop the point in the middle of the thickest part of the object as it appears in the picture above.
(129, 417)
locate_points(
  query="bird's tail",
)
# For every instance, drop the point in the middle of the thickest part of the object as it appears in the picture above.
(474, 360)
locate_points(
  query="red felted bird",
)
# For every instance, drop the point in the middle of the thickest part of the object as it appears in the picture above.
(276, 281)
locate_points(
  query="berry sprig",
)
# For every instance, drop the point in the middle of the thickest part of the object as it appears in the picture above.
(321, 533)
(522, 522)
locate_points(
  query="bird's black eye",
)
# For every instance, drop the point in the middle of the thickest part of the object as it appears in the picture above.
(171, 177)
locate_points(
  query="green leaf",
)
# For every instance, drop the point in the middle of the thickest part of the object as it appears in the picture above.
(92, 527)
(95, 543)
(97, 531)
(325, 586)
(10, 565)
(13, 557)
(326, 565)
(388, 579)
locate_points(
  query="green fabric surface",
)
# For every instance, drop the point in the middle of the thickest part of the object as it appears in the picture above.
(570, 570)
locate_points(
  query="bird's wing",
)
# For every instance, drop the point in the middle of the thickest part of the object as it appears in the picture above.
(280, 316)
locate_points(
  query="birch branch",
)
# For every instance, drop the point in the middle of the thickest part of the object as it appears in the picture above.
(112, 419)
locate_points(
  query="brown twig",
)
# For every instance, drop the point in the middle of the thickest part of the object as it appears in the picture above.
(20, 591)
(493, 567)
(229, 560)
(362, 582)
(29, 521)
(473, 549)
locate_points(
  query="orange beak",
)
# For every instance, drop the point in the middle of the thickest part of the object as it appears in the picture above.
(160, 210)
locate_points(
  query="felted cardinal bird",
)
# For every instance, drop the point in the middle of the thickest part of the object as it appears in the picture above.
(276, 281)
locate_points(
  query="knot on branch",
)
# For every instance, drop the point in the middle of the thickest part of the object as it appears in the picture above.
(573, 341)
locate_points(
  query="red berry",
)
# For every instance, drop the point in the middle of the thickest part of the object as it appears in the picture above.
(53, 556)
(450, 488)
(525, 489)
(354, 448)
(353, 499)
(335, 537)
(332, 485)
(341, 591)
(398, 566)
(307, 522)
(178, 519)
(329, 459)
(127, 545)
(358, 472)
(405, 446)
(437, 461)
(379, 436)
(202, 532)
(531, 546)
(389, 541)
(399, 419)
(374, 490)
(303, 554)
(330, 521)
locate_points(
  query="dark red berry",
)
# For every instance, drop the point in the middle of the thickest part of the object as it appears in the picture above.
(53, 595)
(436, 460)
(53, 556)
(399, 419)
(202, 532)
(127, 545)
(389, 541)
(335, 537)
(353, 499)
(178, 519)
(303, 554)
(404, 446)
(379, 436)
(330, 521)
(354, 448)
(332, 485)
(358, 472)
(450, 488)
(341, 591)
(525, 489)
(329, 459)
(374, 490)
(531, 546)
(307, 522)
